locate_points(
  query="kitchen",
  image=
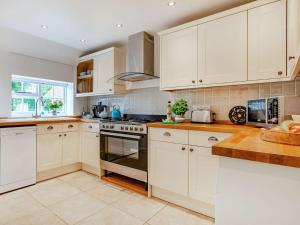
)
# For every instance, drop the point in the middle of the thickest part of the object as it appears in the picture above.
(188, 115)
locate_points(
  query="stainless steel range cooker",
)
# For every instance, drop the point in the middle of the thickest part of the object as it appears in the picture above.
(124, 145)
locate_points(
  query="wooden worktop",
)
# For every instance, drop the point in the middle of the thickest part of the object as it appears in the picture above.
(245, 143)
(31, 121)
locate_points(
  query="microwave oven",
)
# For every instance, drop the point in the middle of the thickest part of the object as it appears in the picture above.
(265, 112)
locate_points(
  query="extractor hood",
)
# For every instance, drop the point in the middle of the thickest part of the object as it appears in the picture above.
(140, 55)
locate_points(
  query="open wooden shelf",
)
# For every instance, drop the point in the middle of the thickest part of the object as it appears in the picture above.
(85, 83)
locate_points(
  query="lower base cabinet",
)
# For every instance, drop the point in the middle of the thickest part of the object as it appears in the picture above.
(169, 166)
(90, 151)
(203, 171)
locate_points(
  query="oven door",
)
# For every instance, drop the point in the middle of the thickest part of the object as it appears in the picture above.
(129, 150)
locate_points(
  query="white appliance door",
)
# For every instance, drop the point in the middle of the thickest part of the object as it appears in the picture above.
(18, 154)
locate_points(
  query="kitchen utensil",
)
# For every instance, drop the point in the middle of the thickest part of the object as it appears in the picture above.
(116, 114)
(202, 114)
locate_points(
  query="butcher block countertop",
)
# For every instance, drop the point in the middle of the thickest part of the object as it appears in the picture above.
(245, 143)
(32, 121)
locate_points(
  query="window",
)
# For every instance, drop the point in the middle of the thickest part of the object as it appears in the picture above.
(26, 91)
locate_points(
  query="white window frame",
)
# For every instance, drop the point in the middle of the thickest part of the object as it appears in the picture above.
(39, 82)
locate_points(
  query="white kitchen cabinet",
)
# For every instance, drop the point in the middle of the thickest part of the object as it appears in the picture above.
(222, 50)
(49, 151)
(70, 148)
(179, 58)
(203, 170)
(293, 34)
(106, 66)
(267, 41)
(90, 150)
(169, 166)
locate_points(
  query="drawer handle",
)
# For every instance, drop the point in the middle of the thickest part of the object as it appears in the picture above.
(59, 135)
(183, 148)
(50, 128)
(70, 126)
(65, 135)
(191, 150)
(212, 138)
(90, 126)
(167, 134)
(97, 136)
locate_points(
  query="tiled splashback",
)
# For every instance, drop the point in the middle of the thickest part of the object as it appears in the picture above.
(221, 99)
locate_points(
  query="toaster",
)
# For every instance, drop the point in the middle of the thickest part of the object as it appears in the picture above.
(202, 114)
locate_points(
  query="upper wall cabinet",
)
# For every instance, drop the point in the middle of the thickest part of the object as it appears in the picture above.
(222, 50)
(243, 45)
(293, 21)
(95, 73)
(179, 58)
(267, 41)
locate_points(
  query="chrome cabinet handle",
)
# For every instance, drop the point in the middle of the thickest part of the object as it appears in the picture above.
(110, 89)
(292, 57)
(70, 126)
(19, 133)
(50, 128)
(191, 149)
(167, 134)
(212, 138)
(183, 148)
(97, 136)
(280, 73)
(90, 126)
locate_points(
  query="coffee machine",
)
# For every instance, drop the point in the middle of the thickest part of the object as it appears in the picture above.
(98, 109)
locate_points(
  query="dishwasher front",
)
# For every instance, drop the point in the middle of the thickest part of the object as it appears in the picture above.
(17, 157)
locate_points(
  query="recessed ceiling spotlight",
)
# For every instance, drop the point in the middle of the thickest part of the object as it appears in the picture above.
(119, 25)
(171, 3)
(83, 40)
(44, 27)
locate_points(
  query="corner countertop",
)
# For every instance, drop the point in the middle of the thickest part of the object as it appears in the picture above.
(245, 143)
(32, 121)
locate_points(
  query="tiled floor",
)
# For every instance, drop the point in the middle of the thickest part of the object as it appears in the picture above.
(81, 198)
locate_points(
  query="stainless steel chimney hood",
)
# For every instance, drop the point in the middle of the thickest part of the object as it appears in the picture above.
(140, 58)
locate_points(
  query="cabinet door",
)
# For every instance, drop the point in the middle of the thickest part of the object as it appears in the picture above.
(179, 58)
(103, 72)
(293, 29)
(70, 148)
(90, 149)
(267, 41)
(169, 166)
(203, 168)
(49, 151)
(222, 50)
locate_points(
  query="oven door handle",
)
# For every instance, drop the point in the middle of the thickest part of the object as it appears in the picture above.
(121, 135)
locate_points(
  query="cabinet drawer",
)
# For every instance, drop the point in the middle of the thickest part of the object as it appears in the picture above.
(49, 128)
(90, 127)
(67, 127)
(206, 139)
(169, 135)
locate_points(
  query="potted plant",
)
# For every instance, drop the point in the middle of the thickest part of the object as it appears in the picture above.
(179, 108)
(54, 106)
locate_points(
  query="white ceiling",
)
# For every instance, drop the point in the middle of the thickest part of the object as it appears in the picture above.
(95, 20)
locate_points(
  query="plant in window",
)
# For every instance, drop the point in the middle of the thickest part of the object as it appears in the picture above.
(179, 108)
(54, 106)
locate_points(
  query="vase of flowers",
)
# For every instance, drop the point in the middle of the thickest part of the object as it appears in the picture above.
(179, 108)
(54, 106)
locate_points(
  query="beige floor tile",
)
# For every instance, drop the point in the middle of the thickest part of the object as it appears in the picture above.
(139, 206)
(111, 216)
(13, 194)
(55, 192)
(172, 215)
(77, 208)
(107, 193)
(43, 185)
(14, 208)
(41, 217)
(81, 180)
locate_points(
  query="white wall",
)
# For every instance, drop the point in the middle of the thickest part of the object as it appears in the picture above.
(28, 66)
